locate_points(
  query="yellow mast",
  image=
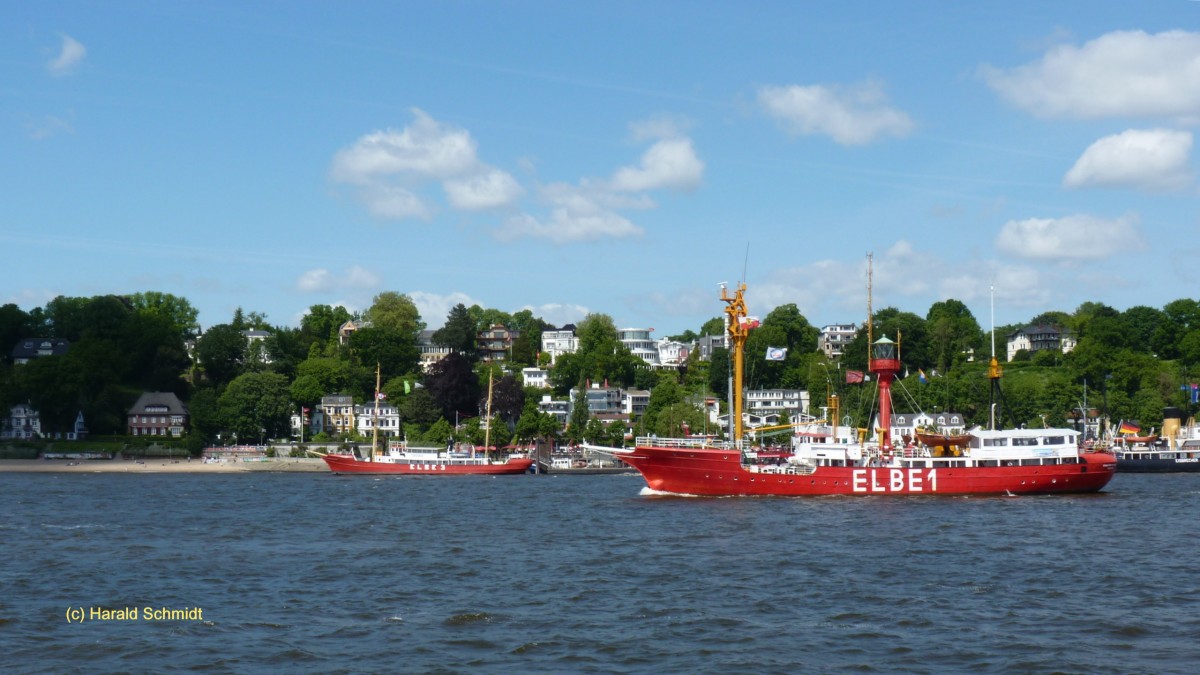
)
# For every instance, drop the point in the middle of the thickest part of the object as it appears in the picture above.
(738, 330)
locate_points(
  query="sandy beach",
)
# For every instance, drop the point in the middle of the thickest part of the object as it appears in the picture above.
(157, 465)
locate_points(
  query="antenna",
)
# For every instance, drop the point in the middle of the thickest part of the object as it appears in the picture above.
(746, 262)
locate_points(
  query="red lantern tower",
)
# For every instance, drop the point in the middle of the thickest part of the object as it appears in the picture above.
(885, 363)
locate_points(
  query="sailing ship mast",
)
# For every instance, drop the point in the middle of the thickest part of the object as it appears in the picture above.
(487, 433)
(375, 422)
(738, 329)
(995, 394)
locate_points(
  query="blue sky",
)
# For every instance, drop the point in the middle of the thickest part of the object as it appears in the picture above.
(615, 157)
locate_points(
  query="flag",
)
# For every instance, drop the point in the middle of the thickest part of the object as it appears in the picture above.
(776, 353)
(749, 322)
(380, 395)
(1128, 428)
(407, 388)
(854, 376)
(921, 376)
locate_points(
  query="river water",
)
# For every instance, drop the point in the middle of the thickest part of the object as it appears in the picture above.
(310, 572)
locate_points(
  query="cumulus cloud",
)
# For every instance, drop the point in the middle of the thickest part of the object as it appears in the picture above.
(668, 164)
(484, 190)
(1121, 73)
(396, 173)
(70, 55)
(557, 314)
(321, 280)
(390, 167)
(1072, 238)
(435, 307)
(852, 115)
(907, 277)
(1150, 159)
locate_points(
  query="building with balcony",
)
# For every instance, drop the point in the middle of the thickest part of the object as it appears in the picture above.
(832, 339)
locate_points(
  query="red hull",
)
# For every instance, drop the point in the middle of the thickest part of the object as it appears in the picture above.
(347, 464)
(714, 472)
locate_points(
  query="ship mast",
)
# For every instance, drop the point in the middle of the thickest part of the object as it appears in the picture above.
(738, 329)
(487, 433)
(375, 422)
(996, 394)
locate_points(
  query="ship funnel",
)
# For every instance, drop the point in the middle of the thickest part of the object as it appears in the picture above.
(1170, 427)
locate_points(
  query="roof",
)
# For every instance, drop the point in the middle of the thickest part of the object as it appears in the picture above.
(31, 348)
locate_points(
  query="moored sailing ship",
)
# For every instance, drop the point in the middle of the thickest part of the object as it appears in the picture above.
(833, 460)
(400, 459)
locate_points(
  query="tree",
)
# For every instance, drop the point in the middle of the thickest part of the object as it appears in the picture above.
(508, 399)
(395, 314)
(15, 325)
(419, 408)
(204, 413)
(580, 414)
(307, 391)
(65, 317)
(486, 318)
(714, 326)
(1139, 325)
(332, 375)
(454, 386)
(600, 357)
(458, 334)
(257, 406)
(322, 323)
(395, 353)
(179, 313)
(221, 352)
(953, 332)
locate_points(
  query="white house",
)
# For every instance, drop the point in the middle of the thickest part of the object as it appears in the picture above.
(559, 341)
(536, 377)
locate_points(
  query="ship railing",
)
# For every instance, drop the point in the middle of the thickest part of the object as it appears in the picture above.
(698, 442)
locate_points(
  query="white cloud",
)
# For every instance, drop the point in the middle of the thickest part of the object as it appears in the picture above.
(907, 278)
(425, 148)
(321, 280)
(389, 167)
(1118, 74)
(558, 314)
(853, 115)
(392, 202)
(70, 55)
(484, 190)
(669, 163)
(434, 308)
(1151, 159)
(1078, 237)
(661, 126)
(575, 214)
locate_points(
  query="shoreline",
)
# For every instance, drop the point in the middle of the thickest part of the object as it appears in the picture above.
(283, 464)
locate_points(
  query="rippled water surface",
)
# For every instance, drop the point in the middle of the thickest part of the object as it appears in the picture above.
(318, 573)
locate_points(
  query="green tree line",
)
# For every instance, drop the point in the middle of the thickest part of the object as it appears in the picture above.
(1131, 363)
